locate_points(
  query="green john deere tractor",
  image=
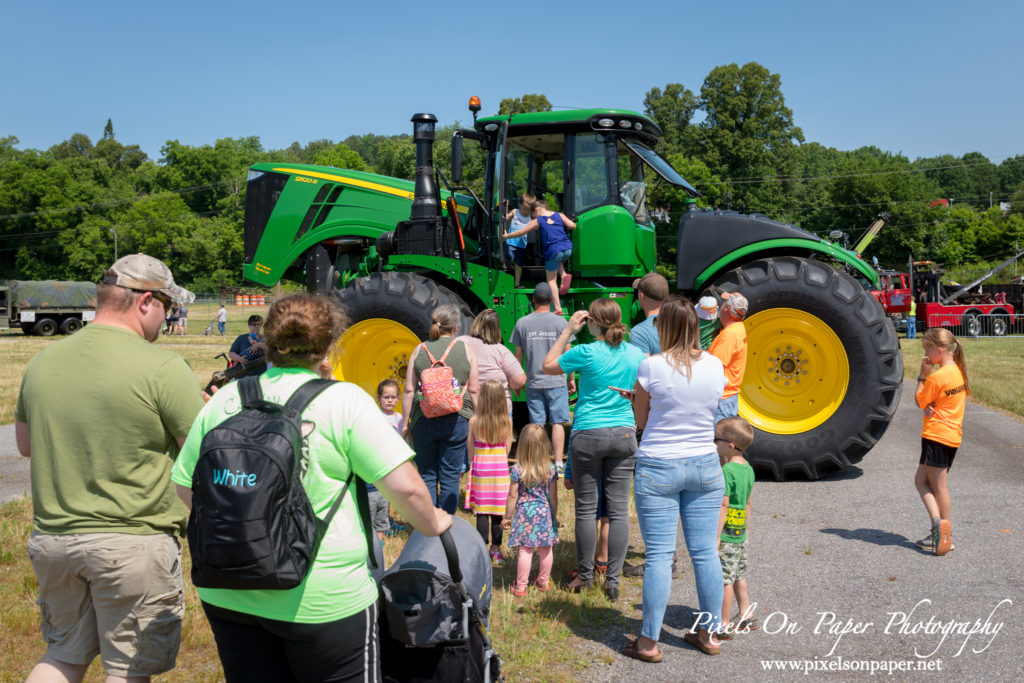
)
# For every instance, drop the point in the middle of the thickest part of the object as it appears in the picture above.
(824, 369)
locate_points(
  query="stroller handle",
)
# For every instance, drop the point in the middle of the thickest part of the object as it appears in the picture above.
(452, 554)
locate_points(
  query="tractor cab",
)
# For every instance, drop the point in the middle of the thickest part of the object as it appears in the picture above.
(587, 164)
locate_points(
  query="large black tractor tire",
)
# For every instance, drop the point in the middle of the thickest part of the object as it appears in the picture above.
(388, 314)
(45, 327)
(824, 370)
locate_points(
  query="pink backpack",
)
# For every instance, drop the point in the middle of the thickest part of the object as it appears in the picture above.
(439, 390)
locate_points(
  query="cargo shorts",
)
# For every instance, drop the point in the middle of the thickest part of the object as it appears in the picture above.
(734, 561)
(126, 587)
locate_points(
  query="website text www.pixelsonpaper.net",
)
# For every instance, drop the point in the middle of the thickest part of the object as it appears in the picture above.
(841, 665)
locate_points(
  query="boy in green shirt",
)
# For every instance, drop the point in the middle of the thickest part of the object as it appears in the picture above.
(733, 435)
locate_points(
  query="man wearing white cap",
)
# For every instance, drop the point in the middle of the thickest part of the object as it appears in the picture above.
(102, 414)
(730, 347)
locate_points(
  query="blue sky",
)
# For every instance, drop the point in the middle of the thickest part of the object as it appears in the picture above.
(919, 78)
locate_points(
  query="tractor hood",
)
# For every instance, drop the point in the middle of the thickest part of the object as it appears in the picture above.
(289, 208)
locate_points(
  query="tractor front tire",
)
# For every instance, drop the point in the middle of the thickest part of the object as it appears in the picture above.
(824, 370)
(389, 314)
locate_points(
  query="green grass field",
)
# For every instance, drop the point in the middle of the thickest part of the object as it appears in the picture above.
(995, 371)
(199, 350)
(541, 637)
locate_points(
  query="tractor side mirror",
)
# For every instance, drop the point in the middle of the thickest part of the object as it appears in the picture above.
(457, 158)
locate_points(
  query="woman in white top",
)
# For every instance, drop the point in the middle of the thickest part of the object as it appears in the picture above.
(678, 475)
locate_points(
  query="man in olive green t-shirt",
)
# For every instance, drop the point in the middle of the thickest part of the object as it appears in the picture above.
(102, 414)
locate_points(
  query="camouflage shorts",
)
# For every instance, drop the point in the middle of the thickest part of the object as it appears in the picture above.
(734, 561)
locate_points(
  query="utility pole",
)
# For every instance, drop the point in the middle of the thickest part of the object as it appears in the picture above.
(114, 233)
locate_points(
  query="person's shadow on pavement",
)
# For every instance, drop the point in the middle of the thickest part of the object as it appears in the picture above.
(873, 536)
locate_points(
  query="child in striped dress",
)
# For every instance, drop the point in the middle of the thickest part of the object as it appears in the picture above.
(490, 437)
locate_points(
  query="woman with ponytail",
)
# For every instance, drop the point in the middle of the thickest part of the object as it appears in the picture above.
(440, 442)
(942, 391)
(603, 447)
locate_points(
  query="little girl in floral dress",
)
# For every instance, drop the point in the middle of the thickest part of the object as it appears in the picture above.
(532, 508)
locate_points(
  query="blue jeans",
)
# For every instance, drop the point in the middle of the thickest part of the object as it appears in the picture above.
(911, 328)
(691, 490)
(440, 445)
(728, 407)
(220, 328)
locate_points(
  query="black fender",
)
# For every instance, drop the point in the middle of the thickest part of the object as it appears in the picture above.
(706, 236)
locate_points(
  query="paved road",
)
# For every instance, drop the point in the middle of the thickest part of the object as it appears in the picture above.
(14, 480)
(842, 550)
(844, 547)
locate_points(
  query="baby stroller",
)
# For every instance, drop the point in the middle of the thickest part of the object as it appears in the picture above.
(435, 603)
(209, 328)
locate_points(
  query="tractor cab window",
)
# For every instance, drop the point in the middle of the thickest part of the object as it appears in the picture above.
(632, 188)
(536, 164)
(590, 166)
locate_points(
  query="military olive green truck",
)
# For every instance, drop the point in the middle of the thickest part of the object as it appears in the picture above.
(824, 369)
(46, 307)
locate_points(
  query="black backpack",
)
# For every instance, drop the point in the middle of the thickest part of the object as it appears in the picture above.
(252, 525)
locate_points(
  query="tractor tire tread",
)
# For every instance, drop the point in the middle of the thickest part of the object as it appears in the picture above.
(781, 454)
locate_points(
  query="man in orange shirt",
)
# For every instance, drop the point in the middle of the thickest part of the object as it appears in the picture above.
(730, 347)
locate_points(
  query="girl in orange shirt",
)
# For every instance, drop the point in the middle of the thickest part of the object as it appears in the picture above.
(942, 391)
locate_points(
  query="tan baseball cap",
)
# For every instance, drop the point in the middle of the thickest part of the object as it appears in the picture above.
(145, 273)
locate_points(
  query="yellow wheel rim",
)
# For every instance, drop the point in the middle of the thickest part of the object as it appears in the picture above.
(371, 351)
(797, 371)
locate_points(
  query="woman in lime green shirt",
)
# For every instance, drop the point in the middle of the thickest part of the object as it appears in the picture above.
(326, 627)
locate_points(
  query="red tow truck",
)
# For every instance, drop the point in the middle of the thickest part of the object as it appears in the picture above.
(973, 314)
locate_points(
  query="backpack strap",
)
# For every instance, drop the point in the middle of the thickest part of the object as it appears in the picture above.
(433, 361)
(448, 350)
(363, 501)
(250, 391)
(305, 394)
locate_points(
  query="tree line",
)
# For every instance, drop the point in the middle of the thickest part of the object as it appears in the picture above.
(64, 210)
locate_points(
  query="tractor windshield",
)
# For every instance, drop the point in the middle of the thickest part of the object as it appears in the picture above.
(660, 166)
(632, 188)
